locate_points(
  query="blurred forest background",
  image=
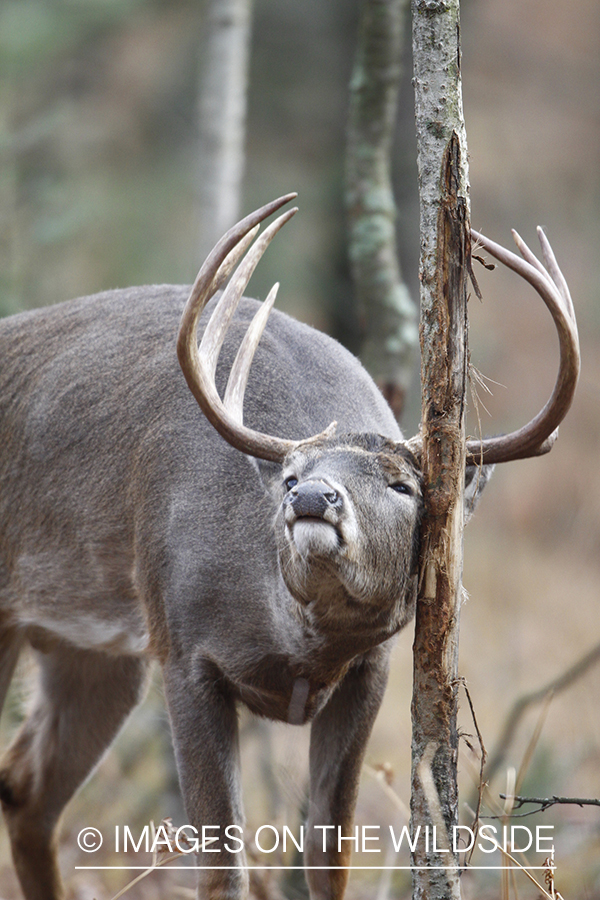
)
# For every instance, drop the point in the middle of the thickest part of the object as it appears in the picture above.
(98, 179)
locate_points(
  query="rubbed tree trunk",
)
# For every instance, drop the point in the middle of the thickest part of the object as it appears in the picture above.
(222, 117)
(445, 250)
(391, 336)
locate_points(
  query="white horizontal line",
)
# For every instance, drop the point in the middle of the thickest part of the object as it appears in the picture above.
(304, 868)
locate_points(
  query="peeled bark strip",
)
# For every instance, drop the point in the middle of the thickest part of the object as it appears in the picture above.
(391, 334)
(445, 249)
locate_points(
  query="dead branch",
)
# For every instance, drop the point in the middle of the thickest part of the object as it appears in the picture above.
(483, 758)
(523, 703)
(546, 802)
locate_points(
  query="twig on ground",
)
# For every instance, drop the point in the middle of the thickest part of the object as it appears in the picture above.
(160, 856)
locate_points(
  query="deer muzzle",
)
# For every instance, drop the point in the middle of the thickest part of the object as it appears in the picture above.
(312, 513)
(315, 500)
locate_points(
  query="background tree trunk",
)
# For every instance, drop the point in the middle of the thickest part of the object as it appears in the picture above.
(222, 117)
(391, 335)
(445, 251)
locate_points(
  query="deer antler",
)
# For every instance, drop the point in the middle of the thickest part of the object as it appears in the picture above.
(539, 434)
(199, 363)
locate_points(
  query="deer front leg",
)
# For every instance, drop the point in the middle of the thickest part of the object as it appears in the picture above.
(205, 736)
(338, 742)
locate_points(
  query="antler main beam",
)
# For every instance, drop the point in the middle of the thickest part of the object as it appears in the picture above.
(538, 436)
(199, 363)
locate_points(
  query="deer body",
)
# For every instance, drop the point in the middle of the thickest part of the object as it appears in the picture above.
(130, 531)
(256, 564)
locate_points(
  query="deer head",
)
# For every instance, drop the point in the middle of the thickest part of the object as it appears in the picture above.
(318, 520)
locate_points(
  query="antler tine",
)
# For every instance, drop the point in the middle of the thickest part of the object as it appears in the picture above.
(220, 262)
(552, 273)
(555, 273)
(199, 363)
(240, 370)
(231, 261)
(539, 434)
(216, 329)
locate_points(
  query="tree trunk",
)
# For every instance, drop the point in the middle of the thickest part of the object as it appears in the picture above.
(445, 250)
(222, 117)
(391, 335)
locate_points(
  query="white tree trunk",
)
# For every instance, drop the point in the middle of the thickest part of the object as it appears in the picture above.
(222, 117)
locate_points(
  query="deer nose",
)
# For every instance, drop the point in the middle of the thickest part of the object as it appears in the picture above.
(314, 499)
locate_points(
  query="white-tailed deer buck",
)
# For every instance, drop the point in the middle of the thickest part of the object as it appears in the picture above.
(267, 560)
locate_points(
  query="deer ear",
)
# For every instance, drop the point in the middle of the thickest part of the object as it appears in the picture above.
(476, 478)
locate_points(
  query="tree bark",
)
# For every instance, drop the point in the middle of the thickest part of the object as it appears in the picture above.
(222, 117)
(391, 335)
(445, 251)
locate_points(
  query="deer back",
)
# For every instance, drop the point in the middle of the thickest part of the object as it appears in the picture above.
(111, 475)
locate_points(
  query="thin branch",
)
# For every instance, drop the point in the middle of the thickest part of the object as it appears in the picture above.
(546, 802)
(483, 758)
(523, 703)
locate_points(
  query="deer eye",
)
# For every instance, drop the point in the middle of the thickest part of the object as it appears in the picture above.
(401, 487)
(289, 483)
